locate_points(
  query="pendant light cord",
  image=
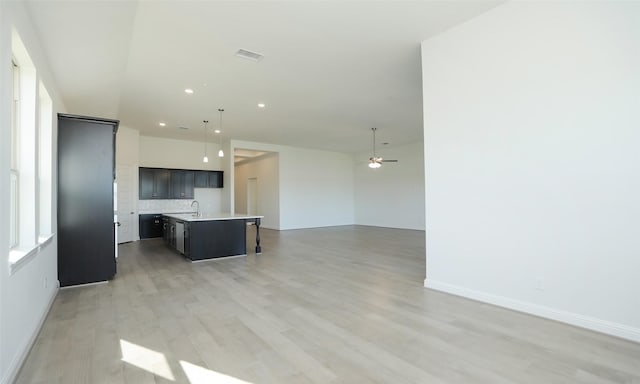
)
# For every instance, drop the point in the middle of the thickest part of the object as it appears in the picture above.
(220, 152)
(205, 136)
(374, 142)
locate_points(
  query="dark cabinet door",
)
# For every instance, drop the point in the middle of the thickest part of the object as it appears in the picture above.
(189, 184)
(202, 179)
(150, 226)
(176, 184)
(161, 184)
(182, 183)
(165, 229)
(147, 183)
(208, 179)
(215, 179)
(154, 183)
(86, 232)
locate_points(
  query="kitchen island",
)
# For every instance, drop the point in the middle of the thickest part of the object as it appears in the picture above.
(209, 236)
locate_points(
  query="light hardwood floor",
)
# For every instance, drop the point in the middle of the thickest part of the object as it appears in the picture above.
(328, 305)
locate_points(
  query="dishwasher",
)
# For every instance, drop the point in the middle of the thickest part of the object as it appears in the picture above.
(180, 237)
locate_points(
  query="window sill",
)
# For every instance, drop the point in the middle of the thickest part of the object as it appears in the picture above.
(19, 257)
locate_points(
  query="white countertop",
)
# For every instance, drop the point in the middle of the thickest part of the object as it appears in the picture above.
(211, 216)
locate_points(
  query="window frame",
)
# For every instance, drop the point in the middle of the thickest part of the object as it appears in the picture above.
(14, 178)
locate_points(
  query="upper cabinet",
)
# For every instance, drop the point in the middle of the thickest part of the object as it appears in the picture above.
(160, 183)
(209, 179)
(154, 183)
(181, 184)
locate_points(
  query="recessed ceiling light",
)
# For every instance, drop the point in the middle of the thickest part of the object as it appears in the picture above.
(162, 124)
(189, 91)
(217, 131)
(261, 105)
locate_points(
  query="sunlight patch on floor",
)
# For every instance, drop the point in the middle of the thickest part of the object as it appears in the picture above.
(147, 359)
(200, 375)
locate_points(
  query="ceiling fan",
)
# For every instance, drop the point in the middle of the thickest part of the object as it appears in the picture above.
(376, 161)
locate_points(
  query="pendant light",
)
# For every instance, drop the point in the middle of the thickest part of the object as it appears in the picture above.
(220, 152)
(205, 159)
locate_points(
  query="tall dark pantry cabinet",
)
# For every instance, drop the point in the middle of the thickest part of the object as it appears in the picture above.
(86, 169)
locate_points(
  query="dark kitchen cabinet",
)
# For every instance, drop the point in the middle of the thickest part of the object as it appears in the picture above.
(202, 179)
(182, 184)
(154, 183)
(166, 231)
(215, 179)
(169, 231)
(209, 179)
(161, 183)
(86, 229)
(150, 226)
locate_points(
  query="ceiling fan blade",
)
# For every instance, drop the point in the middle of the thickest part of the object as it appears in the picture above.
(389, 161)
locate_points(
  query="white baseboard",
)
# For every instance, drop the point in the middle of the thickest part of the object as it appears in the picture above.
(591, 323)
(19, 359)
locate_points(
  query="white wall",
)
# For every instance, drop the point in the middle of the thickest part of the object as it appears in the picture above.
(533, 162)
(127, 146)
(24, 298)
(181, 154)
(392, 195)
(265, 170)
(316, 187)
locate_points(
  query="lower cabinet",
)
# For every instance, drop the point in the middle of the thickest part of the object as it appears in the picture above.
(150, 226)
(176, 234)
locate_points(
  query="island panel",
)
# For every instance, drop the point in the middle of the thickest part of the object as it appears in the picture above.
(217, 238)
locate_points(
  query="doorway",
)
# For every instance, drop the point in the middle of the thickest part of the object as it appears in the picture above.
(125, 198)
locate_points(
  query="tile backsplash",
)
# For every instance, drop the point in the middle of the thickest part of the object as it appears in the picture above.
(208, 198)
(164, 206)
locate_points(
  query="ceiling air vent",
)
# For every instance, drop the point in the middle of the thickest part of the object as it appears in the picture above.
(183, 128)
(249, 55)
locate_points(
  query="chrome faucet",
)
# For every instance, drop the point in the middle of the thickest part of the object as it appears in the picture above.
(197, 207)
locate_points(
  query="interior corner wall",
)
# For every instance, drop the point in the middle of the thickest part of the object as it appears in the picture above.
(315, 187)
(532, 162)
(392, 195)
(25, 298)
(265, 171)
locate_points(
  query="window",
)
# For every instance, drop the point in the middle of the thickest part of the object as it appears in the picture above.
(31, 194)
(15, 115)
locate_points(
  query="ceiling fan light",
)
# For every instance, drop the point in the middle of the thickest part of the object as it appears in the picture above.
(374, 164)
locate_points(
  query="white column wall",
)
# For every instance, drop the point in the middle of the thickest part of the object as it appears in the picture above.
(532, 161)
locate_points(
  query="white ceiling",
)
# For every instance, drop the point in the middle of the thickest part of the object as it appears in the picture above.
(331, 70)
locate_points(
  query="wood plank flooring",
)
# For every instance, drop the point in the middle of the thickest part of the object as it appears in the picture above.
(327, 305)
